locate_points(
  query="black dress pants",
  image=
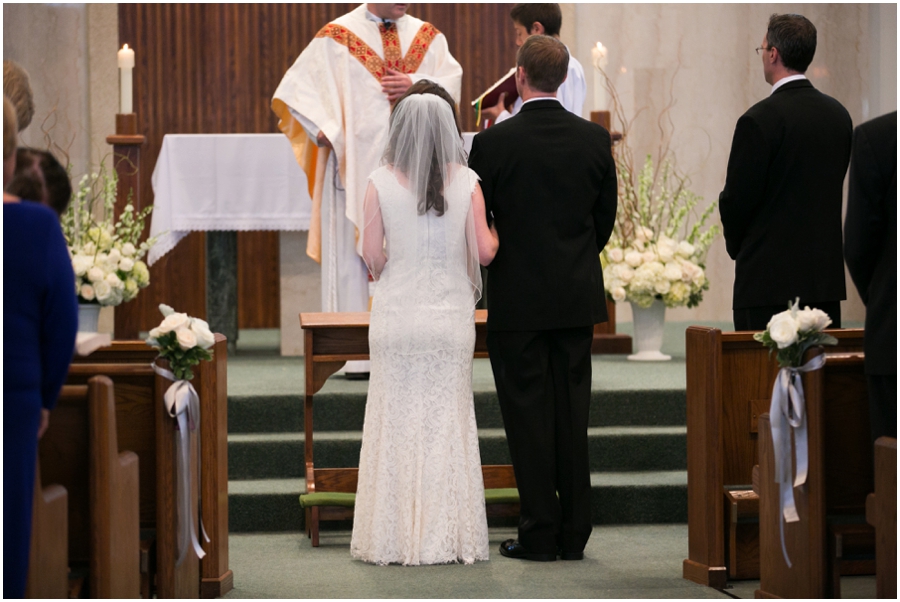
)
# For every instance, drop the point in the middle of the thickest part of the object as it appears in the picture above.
(543, 382)
(756, 318)
(883, 405)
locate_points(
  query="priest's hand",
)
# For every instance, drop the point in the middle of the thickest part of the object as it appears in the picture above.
(322, 140)
(493, 112)
(395, 84)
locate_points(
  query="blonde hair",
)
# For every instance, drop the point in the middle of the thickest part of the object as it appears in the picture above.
(17, 87)
(9, 128)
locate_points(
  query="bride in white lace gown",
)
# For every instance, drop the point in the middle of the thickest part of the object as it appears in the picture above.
(420, 497)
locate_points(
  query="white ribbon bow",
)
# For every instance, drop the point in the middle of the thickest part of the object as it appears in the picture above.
(183, 404)
(786, 414)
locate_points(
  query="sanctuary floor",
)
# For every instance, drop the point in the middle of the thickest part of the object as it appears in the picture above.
(631, 561)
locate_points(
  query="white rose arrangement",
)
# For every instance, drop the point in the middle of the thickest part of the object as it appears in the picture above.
(106, 255)
(652, 253)
(793, 331)
(183, 340)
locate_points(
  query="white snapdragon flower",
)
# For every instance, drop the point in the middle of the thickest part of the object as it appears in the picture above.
(783, 329)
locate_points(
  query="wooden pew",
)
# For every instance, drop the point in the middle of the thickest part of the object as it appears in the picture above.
(729, 384)
(48, 559)
(80, 451)
(831, 505)
(145, 427)
(330, 340)
(881, 513)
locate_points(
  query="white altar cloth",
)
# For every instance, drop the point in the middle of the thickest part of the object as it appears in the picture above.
(226, 182)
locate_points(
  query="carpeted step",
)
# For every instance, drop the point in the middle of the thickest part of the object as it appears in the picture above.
(611, 449)
(616, 498)
(345, 411)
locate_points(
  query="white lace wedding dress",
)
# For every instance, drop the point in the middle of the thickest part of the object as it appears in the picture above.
(420, 498)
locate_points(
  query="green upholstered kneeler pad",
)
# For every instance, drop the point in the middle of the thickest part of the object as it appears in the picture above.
(328, 498)
(509, 495)
(334, 498)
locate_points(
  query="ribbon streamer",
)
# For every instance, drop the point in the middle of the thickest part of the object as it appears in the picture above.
(183, 404)
(788, 414)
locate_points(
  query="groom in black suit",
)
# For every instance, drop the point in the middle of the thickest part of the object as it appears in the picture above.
(781, 207)
(549, 180)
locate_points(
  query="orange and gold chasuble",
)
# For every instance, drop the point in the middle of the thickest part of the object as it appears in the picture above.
(311, 158)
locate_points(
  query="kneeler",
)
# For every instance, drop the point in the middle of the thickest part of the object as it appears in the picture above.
(336, 502)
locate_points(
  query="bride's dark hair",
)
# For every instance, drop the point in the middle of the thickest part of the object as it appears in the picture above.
(434, 193)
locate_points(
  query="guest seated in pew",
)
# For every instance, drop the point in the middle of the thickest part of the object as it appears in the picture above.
(870, 250)
(40, 177)
(40, 317)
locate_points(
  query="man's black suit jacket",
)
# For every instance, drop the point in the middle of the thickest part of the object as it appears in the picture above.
(781, 207)
(549, 180)
(870, 237)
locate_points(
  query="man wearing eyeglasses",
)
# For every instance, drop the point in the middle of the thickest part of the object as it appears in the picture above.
(781, 206)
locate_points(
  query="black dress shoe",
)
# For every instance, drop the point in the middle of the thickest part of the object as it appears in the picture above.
(356, 375)
(563, 555)
(511, 548)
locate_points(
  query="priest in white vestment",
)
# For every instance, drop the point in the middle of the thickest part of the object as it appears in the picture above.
(334, 105)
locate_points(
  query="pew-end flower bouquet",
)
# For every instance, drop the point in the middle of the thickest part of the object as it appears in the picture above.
(793, 331)
(183, 340)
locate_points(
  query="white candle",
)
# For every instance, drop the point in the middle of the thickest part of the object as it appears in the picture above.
(126, 67)
(600, 60)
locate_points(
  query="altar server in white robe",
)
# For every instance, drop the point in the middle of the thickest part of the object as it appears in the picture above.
(542, 19)
(334, 105)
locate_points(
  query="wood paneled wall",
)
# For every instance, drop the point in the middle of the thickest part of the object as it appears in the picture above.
(212, 68)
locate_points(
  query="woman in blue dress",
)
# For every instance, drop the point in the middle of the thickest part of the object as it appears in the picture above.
(40, 316)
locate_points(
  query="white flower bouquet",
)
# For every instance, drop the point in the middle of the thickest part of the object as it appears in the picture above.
(793, 331)
(653, 253)
(106, 255)
(183, 340)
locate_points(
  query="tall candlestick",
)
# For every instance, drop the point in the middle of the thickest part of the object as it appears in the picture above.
(600, 60)
(126, 67)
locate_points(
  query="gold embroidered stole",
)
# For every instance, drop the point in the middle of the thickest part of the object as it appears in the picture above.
(390, 41)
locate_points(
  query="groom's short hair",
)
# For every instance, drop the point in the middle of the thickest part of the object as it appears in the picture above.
(546, 62)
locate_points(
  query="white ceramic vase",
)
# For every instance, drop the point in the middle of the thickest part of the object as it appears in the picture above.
(88, 317)
(648, 332)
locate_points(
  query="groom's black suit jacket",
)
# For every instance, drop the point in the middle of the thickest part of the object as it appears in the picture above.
(549, 180)
(781, 207)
